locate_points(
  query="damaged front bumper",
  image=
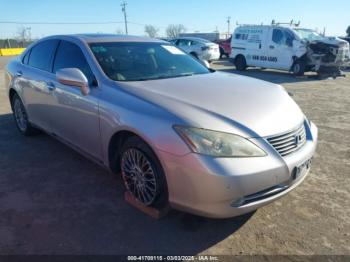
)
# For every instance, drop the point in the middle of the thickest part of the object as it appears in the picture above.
(326, 58)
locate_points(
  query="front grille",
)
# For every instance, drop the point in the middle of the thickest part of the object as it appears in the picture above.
(289, 142)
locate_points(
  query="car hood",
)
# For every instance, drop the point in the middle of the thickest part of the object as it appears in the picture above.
(224, 102)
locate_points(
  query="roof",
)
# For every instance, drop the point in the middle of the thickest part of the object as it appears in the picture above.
(95, 38)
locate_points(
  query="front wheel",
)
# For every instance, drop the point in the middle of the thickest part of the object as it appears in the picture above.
(21, 117)
(142, 173)
(298, 68)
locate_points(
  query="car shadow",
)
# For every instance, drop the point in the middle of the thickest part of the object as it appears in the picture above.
(270, 75)
(55, 201)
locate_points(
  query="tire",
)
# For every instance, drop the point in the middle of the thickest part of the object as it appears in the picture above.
(194, 55)
(21, 117)
(222, 53)
(298, 68)
(240, 63)
(137, 162)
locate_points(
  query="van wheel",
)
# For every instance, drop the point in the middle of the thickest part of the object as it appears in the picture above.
(240, 63)
(298, 68)
(142, 173)
(21, 117)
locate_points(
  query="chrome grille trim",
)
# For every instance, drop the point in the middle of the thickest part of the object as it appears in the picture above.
(289, 142)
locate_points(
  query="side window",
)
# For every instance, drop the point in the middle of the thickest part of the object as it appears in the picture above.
(289, 38)
(194, 43)
(69, 55)
(277, 36)
(184, 42)
(41, 55)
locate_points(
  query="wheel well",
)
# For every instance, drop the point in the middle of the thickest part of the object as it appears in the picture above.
(114, 146)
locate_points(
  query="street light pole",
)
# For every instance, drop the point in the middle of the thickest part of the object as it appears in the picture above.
(123, 5)
(228, 25)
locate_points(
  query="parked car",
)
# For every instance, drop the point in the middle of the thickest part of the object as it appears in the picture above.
(198, 47)
(289, 48)
(209, 143)
(225, 47)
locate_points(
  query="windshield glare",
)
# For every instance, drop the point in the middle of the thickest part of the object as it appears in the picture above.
(144, 61)
(309, 35)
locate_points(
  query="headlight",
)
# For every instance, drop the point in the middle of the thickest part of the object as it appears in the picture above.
(218, 144)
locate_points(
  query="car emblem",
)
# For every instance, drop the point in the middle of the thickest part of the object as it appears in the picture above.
(297, 139)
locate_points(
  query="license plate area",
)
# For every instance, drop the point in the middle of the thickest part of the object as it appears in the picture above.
(301, 169)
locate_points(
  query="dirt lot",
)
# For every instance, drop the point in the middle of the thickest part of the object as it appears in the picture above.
(54, 201)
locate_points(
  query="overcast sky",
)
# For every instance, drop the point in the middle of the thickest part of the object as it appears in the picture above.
(196, 15)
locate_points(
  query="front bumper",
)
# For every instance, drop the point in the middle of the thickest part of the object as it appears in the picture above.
(228, 187)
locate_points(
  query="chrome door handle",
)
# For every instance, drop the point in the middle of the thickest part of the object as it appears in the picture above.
(19, 73)
(50, 86)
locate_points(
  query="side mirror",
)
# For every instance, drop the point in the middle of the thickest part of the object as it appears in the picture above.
(73, 77)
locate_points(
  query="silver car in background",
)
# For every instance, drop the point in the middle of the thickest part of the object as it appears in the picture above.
(180, 134)
(200, 48)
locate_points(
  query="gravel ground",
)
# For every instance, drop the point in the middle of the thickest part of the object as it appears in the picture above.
(54, 201)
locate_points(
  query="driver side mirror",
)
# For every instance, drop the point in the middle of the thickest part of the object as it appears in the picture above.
(73, 77)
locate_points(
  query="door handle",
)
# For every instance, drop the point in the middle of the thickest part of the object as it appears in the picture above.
(272, 47)
(50, 86)
(19, 73)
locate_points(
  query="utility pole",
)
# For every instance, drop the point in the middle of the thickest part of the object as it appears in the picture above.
(123, 5)
(228, 25)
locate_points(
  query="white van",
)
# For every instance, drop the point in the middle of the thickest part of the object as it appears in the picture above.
(287, 48)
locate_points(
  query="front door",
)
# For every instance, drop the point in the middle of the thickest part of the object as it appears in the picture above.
(76, 117)
(280, 49)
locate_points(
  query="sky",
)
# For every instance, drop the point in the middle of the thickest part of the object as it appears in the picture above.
(195, 15)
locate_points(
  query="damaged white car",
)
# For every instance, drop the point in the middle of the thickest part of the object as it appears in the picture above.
(288, 48)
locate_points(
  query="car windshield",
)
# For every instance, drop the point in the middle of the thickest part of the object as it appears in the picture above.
(309, 35)
(140, 61)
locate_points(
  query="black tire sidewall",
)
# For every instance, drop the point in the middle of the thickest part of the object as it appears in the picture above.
(29, 130)
(240, 63)
(135, 142)
(301, 70)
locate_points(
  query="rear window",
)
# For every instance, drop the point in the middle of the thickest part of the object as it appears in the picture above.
(41, 55)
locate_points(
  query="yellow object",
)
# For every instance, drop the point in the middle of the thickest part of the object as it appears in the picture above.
(11, 51)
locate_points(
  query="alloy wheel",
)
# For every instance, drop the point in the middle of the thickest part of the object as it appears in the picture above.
(139, 176)
(20, 115)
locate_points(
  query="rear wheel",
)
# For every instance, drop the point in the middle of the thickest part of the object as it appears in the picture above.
(240, 63)
(21, 117)
(142, 173)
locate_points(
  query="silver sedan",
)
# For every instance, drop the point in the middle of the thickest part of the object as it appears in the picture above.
(180, 134)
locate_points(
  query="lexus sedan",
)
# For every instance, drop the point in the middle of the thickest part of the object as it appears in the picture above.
(180, 134)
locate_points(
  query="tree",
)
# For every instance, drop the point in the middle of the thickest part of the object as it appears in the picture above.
(173, 31)
(348, 31)
(151, 31)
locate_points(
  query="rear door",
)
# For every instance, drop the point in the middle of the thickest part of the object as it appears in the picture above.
(280, 49)
(76, 117)
(36, 83)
